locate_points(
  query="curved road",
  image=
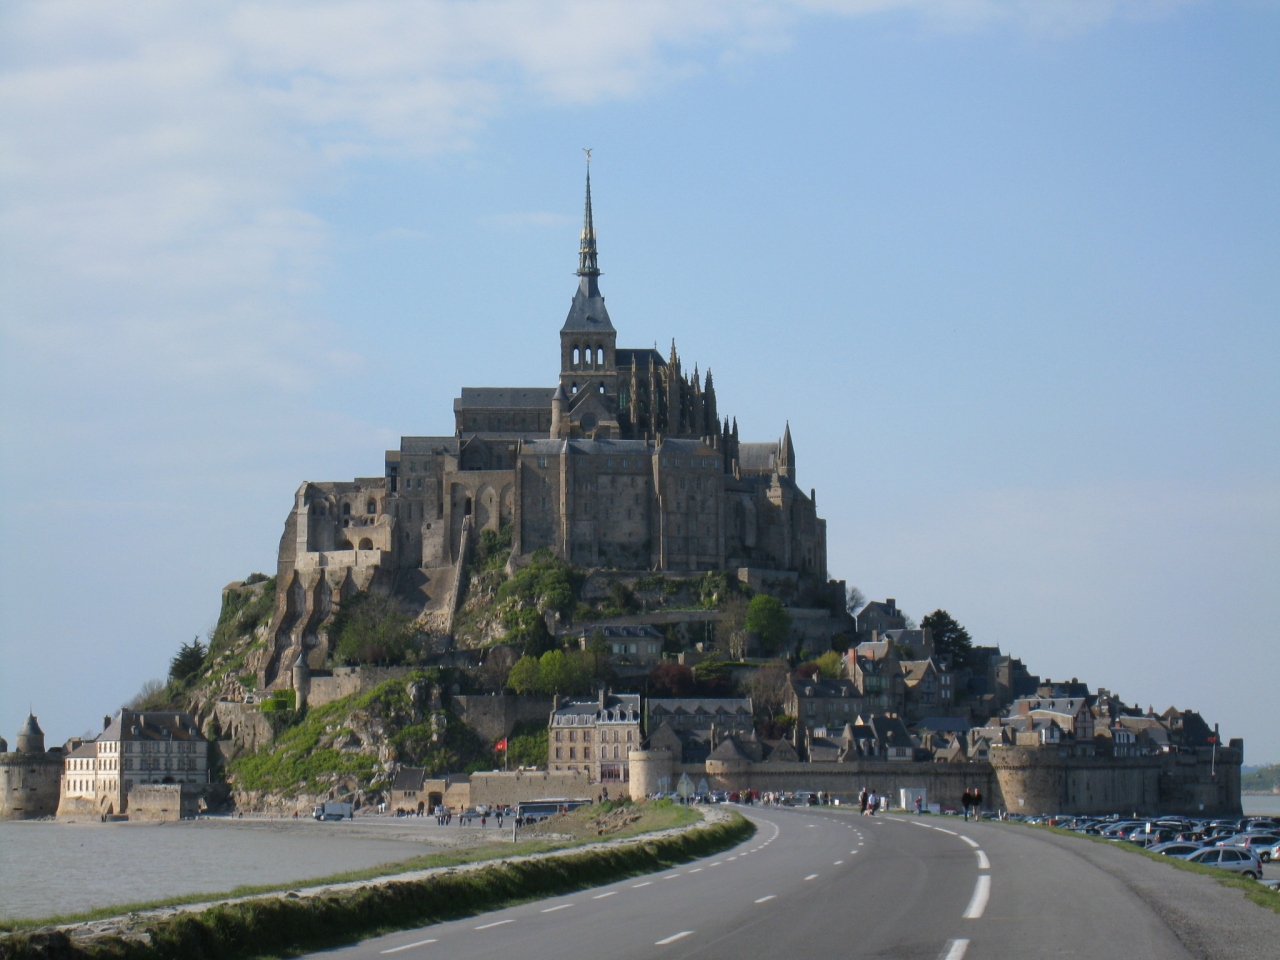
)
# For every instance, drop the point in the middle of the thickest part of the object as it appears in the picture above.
(821, 883)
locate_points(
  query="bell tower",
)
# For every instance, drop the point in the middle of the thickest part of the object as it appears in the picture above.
(588, 342)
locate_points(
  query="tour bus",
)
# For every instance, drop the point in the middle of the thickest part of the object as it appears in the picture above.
(533, 811)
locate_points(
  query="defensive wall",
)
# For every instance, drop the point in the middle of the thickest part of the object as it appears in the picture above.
(1022, 780)
(30, 784)
(495, 716)
(165, 801)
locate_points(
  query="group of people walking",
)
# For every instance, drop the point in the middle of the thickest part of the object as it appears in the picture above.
(971, 800)
(869, 802)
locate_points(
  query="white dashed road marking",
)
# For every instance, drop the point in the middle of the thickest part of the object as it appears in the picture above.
(812, 876)
(672, 939)
(766, 899)
(981, 893)
(945, 830)
(601, 896)
(969, 842)
(409, 946)
(637, 886)
(955, 950)
(496, 923)
(983, 862)
(837, 863)
(554, 909)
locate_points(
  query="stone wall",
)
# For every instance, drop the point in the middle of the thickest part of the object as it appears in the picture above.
(494, 717)
(30, 784)
(1037, 781)
(164, 801)
(942, 782)
(346, 681)
(500, 788)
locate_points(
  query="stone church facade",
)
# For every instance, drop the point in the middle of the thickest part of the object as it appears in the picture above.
(625, 463)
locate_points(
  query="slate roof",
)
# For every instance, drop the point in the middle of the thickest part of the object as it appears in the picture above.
(642, 355)
(840, 689)
(409, 778)
(617, 708)
(709, 707)
(151, 725)
(940, 724)
(483, 398)
(587, 314)
(758, 456)
(426, 446)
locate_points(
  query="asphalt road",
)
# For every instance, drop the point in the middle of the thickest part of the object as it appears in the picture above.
(818, 884)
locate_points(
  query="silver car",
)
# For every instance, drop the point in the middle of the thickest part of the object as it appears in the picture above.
(1235, 859)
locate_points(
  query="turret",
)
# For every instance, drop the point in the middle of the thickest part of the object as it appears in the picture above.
(31, 737)
(557, 410)
(787, 456)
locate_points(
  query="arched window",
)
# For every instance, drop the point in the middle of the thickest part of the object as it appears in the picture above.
(573, 388)
(599, 356)
(371, 506)
(366, 544)
(346, 509)
(575, 356)
(602, 388)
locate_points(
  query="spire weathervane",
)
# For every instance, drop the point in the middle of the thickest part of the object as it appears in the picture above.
(588, 267)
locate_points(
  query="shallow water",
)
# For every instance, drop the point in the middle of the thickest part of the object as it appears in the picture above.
(1261, 805)
(49, 868)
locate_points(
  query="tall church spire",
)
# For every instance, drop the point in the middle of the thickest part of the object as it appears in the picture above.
(588, 266)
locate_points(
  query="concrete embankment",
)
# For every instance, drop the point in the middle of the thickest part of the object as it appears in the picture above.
(323, 916)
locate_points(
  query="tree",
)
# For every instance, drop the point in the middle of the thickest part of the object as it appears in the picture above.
(951, 642)
(671, 680)
(372, 629)
(525, 676)
(767, 688)
(854, 600)
(730, 629)
(768, 619)
(714, 677)
(558, 673)
(187, 661)
(527, 630)
(831, 664)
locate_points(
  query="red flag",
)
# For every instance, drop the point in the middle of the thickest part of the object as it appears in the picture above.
(501, 744)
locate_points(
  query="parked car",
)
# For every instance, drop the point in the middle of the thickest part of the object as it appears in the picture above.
(1267, 854)
(1234, 859)
(1176, 848)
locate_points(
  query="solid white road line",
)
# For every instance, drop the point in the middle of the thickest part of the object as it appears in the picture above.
(637, 886)
(672, 939)
(983, 862)
(981, 893)
(496, 923)
(554, 909)
(969, 842)
(812, 876)
(955, 950)
(601, 896)
(766, 899)
(409, 946)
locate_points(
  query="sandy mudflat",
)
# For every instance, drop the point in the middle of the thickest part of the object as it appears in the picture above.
(48, 867)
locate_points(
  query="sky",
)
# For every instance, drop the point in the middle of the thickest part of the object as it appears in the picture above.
(1009, 269)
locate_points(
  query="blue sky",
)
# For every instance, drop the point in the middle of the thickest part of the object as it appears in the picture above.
(1008, 269)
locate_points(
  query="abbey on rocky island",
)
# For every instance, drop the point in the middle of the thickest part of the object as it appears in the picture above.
(624, 464)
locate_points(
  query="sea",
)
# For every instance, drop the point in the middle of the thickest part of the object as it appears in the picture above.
(1261, 804)
(51, 868)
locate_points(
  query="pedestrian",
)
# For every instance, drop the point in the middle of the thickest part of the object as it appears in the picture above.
(919, 804)
(966, 800)
(862, 801)
(484, 820)
(499, 819)
(872, 800)
(977, 803)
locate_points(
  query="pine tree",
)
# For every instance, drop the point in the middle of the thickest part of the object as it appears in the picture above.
(188, 660)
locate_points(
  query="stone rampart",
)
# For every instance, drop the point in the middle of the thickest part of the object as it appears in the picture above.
(1045, 780)
(499, 788)
(346, 681)
(30, 784)
(942, 782)
(164, 801)
(494, 717)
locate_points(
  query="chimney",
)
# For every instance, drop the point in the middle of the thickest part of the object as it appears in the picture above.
(106, 722)
(892, 604)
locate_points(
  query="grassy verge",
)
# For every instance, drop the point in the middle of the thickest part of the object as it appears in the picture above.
(581, 824)
(1252, 888)
(287, 926)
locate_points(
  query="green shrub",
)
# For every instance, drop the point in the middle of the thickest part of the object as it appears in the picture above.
(768, 619)
(372, 629)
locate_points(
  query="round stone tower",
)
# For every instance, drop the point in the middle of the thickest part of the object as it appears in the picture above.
(301, 681)
(647, 768)
(31, 737)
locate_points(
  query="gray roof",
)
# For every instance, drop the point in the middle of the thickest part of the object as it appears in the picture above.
(617, 708)
(157, 725)
(642, 356)
(940, 724)
(640, 630)
(409, 778)
(825, 688)
(31, 728)
(425, 446)
(710, 707)
(587, 314)
(890, 731)
(758, 456)
(484, 398)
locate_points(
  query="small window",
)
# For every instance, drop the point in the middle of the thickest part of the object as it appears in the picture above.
(542, 461)
(371, 506)
(609, 463)
(677, 461)
(346, 509)
(575, 356)
(625, 464)
(600, 362)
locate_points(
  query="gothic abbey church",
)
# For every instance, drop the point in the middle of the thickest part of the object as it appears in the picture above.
(624, 464)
